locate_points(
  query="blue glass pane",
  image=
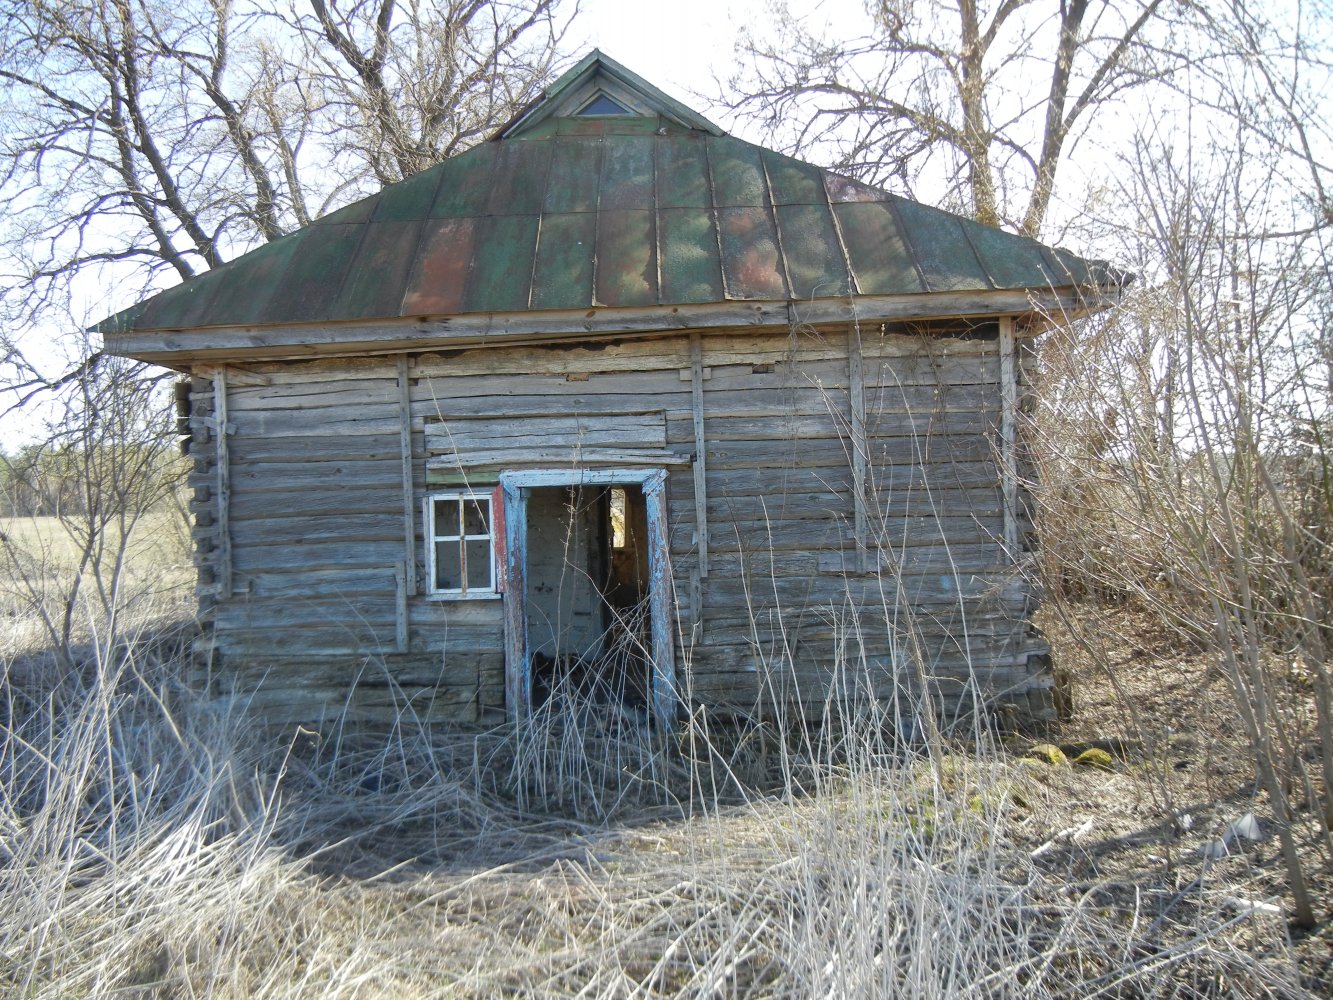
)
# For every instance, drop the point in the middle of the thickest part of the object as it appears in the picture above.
(603, 105)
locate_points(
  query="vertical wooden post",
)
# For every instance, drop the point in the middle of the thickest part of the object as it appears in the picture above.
(223, 499)
(856, 382)
(1009, 435)
(700, 485)
(409, 504)
(700, 464)
(400, 606)
(665, 697)
(518, 668)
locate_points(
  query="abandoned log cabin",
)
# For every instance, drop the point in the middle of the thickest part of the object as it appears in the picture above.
(618, 401)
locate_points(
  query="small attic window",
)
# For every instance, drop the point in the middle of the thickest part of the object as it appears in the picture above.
(603, 105)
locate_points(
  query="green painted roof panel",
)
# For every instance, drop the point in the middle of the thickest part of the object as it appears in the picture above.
(310, 284)
(574, 180)
(409, 199)
(465, 188)
(751, 263)
(502, 256)
(879, 257)
(794, 182)
(737, 174)
(519, 182)
(378, 276)
(690, 265)
(563, 275)
(940, 246)
(438, 285)
(627, 173)
(682, 174)
(626, 258)
(815, 260)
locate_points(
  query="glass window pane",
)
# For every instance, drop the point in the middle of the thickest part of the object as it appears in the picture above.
(476, 516)
(478, 565)
(446, 518)
(448, 572)
(603, 105)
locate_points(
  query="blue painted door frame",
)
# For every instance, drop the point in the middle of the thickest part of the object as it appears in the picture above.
(518, 659)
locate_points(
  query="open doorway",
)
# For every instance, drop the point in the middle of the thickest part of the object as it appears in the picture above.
(587, 595)
(587, 608)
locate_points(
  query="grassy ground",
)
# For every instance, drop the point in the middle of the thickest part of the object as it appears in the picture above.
(155, 844)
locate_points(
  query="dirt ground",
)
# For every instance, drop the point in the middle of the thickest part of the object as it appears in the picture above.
(1179, 780)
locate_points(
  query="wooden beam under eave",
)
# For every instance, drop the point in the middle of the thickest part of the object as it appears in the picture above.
(305, 341)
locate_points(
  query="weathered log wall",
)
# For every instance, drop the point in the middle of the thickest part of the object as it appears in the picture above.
(802, 591)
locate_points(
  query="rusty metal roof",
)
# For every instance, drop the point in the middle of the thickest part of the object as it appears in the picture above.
(569, 212)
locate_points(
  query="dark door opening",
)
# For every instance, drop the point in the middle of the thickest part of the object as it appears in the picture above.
(588, 615)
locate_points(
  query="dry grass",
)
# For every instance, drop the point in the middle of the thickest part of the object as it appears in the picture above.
(152, 845)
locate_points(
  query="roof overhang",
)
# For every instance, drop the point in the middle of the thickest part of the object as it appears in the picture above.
(1037, 308)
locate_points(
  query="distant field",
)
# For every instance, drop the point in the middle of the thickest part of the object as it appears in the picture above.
(39, 558)
(158, 539)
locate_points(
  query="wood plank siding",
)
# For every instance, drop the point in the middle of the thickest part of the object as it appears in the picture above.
(786, 609)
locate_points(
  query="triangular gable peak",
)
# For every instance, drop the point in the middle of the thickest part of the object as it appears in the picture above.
(598, 86)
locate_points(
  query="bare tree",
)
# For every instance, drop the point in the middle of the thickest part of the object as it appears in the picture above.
(984, 97)
(1186, 445)
(107, 464)
(410, 82)
(143, 141)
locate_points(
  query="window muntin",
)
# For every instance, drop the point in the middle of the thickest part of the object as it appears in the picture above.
(461, 544)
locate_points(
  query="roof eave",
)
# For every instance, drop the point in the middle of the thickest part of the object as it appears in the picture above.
(177, 348)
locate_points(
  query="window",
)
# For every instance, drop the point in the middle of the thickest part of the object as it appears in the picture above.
(603, 105)
(460, 532)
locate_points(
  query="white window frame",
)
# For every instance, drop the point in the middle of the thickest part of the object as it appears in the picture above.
(434, 537)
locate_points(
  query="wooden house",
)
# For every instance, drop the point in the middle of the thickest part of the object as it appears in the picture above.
(617, 398)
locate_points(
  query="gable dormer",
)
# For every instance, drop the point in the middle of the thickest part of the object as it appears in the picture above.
(599, 87)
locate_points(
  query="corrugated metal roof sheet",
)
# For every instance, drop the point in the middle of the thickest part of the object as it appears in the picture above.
(576, 213)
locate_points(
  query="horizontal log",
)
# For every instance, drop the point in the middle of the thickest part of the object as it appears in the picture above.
(347, 528)
(294, 450)
(645, 354)
(515, 458)
(735, 507)
(440, 619)
(336, 422)
(822, 533)
(937, 450)
(575, 401)
(311, 392)
(368, 555)
(444, 394)
(467, 670)
(672, 351)
(432, 705)
(359, 499)
(301, 583)
(308, 474)
(507, 429)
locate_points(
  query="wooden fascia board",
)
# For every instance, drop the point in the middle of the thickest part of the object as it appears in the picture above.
(304, 341)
